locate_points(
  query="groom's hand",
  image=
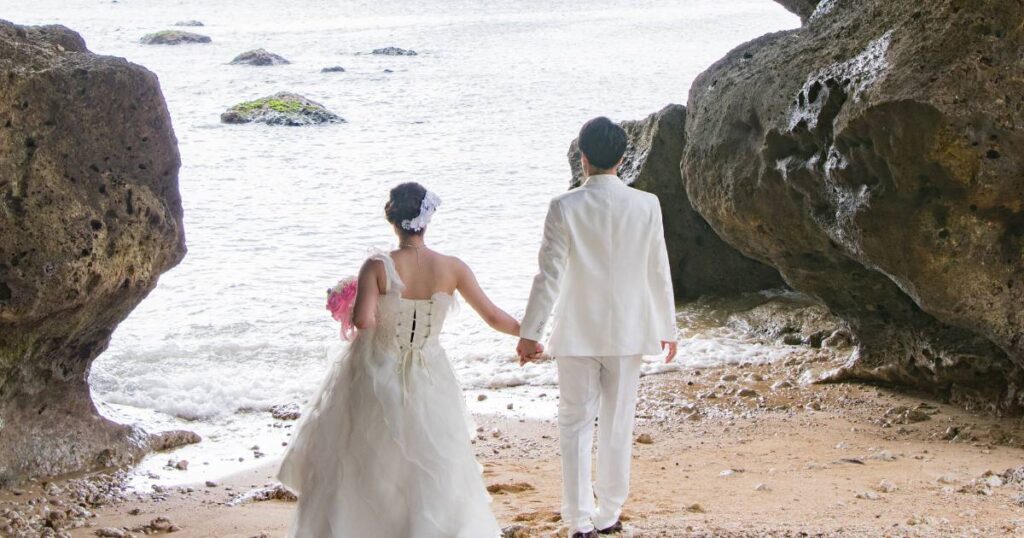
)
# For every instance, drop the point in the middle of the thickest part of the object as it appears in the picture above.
(671, 346)
(528, 350)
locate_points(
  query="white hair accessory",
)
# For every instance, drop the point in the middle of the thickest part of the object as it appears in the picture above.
(428, 206)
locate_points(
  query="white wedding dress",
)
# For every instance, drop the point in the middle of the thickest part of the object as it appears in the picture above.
(384, 450)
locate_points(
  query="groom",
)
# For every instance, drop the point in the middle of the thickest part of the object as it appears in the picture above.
(603, 261)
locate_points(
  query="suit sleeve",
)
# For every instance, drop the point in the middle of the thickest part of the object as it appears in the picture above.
(660, 278)
(554, 251)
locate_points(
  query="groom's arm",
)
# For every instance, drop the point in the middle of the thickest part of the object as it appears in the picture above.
(554, 251)
(660, 278)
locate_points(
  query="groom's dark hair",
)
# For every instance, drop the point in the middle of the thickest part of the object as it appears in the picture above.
(603, 142)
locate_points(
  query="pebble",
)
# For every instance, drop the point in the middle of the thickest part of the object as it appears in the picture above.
(747, 393)
(784, 384)
(645, 439)
(695, 508)
(869, 496)
(211, 484)
(886, 486)
(762, 487)
(182, 465)
(481, 397)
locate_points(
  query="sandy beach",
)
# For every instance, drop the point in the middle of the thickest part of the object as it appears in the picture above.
(733, 451)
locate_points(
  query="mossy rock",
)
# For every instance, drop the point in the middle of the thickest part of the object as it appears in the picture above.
(259, 57)
(280, 109)
(173, 37)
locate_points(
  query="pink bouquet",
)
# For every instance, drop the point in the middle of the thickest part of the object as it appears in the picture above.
(341, 301)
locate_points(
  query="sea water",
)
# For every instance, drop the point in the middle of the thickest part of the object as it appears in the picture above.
(483, 115)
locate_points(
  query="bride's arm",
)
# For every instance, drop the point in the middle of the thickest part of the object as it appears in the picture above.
(364, 313)
(468, 286)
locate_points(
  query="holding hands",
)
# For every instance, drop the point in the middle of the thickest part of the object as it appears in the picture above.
(529, 351)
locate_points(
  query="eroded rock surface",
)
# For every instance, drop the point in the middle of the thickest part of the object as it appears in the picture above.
(90, 216)
(875, 157)
(702, 264)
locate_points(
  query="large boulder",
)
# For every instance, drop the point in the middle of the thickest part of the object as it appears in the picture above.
(875, 157)
(702, 264)
(90, 216)
(282, 108)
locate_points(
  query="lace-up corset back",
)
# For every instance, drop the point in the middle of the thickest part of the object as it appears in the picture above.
(418, 322)
(411, 324)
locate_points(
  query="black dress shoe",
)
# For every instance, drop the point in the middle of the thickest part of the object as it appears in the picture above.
(588, 534)
(617, 527)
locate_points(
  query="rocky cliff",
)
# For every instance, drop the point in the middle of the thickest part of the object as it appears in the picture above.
(702, 264)
(875, 157)
(90, 216)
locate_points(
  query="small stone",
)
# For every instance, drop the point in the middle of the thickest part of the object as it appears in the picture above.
(645, 439)
(728, 378)
(111, 532)
(333, 69)
(869, 496)
(747, 393)
(886, 486)
(783, 384)
(288, 411)
(182, 465)
(947, 479)
(394, 51)
(509, 406)
(762, 487)
(211, 484)
(695, 508)
(193, 23)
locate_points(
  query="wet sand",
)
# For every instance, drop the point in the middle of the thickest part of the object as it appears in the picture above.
(723, 454)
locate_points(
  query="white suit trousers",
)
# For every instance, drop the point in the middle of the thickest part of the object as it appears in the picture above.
(604, 388)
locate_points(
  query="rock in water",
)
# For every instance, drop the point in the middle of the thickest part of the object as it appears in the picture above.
(874, 157)
(173, 37)
(280, 109)
(90, 216)
(394, 51)
(702, 264)
(259, 57)
(193, 23)
(333, 69)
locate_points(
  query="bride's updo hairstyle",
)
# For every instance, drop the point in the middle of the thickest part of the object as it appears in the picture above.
(404, 205)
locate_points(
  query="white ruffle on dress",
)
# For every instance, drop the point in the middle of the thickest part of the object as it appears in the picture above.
(383, 450)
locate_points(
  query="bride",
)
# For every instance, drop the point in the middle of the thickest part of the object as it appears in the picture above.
(384, 448)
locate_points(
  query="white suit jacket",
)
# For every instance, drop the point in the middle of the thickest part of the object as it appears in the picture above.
(604, 271)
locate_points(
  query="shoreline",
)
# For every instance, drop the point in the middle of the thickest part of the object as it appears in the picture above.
(729, 457)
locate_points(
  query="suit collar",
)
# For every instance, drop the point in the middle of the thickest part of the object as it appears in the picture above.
(603, 179)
